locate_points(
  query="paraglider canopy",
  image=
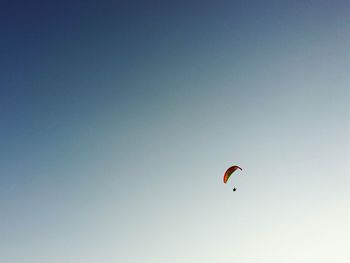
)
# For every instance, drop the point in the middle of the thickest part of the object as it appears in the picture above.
(230, 171)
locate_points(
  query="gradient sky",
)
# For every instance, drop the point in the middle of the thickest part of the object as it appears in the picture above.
(119, 118)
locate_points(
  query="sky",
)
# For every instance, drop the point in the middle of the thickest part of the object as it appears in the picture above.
(118, 120)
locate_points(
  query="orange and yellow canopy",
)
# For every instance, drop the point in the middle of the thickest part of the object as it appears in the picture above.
(230, 171)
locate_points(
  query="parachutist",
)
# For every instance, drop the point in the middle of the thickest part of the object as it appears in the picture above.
(228, 173)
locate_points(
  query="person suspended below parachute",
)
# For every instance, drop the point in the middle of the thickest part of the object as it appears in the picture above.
(229, 172)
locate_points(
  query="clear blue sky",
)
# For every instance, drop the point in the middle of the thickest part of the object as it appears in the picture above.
(119, 118)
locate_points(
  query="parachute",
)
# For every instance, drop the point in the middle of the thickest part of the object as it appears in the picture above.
(230, 171)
